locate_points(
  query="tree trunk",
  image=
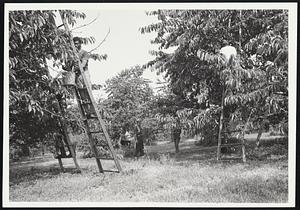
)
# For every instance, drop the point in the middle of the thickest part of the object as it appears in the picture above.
(243, 148)
(258, 136)
(25, 150)
(176, 132)
(119, 141)
(43, 148)
(176, 142)
(59, 159)
(220, 126)
(61, 165)
(139, 149)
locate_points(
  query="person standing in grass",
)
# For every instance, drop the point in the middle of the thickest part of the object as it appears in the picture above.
(139, 147)
(176, 133)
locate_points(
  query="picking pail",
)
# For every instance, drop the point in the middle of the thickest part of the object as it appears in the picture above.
(69, 78)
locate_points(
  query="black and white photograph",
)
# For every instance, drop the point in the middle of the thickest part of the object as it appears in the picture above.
(149, 104)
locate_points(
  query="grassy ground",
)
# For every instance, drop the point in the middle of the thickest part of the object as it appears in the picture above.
(193, 175)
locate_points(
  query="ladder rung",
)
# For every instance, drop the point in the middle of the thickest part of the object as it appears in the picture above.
(81, 88)
(231, 158)
(231, 145)
(104, 158)
(83, 93)
(103, 144)
(91, 117)
(97, 132)
(114, 171)
(84, 98)
(84, 102)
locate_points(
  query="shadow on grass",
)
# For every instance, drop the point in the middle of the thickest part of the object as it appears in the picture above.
(268, 149)
(31, 160)
(31, 174)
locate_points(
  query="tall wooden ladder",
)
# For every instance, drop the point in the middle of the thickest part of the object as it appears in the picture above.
(99, 139)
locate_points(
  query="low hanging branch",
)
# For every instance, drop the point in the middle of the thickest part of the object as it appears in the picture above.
(84, 25)
(74, 117)
(60, 26)
(52, 113)
(100, 42)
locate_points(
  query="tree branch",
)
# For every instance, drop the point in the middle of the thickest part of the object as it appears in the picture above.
(54, 114)
(60, 26)
(79, 122)
(85, 24)
(32, 80)
(100, 42)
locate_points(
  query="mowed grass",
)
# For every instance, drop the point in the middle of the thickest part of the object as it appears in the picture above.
(166, 177)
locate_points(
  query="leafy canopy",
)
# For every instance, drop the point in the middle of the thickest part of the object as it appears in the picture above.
(129, 96)
(197, 71)
(35, 38)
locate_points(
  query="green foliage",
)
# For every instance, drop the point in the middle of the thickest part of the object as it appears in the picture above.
(196, 71)
(150, 129)
(128, 101)
(167, 104)
(34, 95)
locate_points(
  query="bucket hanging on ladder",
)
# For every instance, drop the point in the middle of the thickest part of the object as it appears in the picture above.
(69, 78)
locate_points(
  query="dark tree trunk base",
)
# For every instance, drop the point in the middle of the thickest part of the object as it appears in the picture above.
(176, 142)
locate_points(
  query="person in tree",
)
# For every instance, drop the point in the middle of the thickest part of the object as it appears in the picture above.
(176, 133)
(229, 52)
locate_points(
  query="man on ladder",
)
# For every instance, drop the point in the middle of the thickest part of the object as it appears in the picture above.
(72, 65)
(84, 59)
(93, 122)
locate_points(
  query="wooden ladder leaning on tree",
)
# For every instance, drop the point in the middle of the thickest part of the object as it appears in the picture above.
(93, 122)
(230, 62)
